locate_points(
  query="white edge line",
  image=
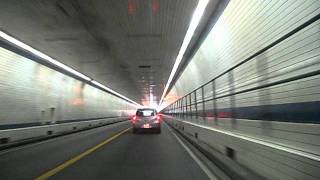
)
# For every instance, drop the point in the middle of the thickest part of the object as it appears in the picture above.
(261, 142)
(194, 157)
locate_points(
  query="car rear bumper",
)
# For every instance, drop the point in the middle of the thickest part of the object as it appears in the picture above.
(143, 126)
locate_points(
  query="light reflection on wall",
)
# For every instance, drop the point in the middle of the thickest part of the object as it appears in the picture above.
(31, 92)
(171, 97)
(132, 6)
(155, 6)
(43, 75)
(211, 55)
(78, 100)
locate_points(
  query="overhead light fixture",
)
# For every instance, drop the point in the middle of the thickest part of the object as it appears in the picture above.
(196, 17)
(59, 64)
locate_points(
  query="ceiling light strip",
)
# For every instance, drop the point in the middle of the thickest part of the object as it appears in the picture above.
(59, 64)
(196, 17)
(112, 91)
(42, 55)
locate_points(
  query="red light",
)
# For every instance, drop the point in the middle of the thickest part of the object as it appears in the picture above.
(155, 6)
(134, 119)
(158, 117)
(132, 7)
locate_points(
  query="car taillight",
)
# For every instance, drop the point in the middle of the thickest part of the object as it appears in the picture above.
(134, 119)
(158, 119)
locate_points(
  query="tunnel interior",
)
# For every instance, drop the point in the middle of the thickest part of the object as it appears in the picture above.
(234, 86)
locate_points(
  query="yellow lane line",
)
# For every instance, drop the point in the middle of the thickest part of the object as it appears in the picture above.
(64, 165)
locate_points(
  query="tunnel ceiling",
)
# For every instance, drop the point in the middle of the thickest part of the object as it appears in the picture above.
(128, 45)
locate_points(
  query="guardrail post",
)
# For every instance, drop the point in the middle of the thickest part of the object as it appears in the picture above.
(190, 102)
(186, 97)
(203, 104)
(180, 109)
(182, 105)
(215, 114)
(177, 108)
(196, 103)
(174, 109)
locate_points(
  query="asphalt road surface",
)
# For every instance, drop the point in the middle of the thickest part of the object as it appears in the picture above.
(109, 152)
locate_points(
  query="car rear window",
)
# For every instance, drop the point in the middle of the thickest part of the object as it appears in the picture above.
(145, 112)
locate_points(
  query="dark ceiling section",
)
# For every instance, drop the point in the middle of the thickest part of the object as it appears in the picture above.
(128, 45)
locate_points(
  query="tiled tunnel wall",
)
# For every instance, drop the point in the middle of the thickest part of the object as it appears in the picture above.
(273, 96)
(33, 94)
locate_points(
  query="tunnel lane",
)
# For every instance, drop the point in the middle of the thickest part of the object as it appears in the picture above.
(126, 156)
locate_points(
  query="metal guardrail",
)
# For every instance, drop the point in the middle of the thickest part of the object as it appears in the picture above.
(188, 104)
